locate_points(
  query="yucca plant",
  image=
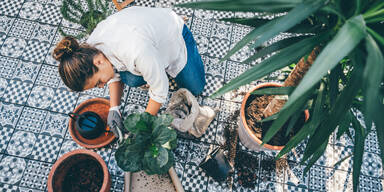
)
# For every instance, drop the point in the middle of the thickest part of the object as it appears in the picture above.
(347, 74)
(97, 10)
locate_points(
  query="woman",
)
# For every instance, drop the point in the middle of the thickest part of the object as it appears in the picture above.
(136, 46)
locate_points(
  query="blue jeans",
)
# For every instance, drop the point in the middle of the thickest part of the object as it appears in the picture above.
(192, 77)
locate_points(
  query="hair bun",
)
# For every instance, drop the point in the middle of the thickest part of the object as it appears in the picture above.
(65, 48)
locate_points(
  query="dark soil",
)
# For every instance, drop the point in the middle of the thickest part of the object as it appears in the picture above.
(85, 176)
(254, 108)
(246, 167)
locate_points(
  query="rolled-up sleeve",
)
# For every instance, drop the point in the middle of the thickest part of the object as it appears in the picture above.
(152, 67)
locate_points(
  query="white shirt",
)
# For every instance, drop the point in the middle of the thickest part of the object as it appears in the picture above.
(144, 41)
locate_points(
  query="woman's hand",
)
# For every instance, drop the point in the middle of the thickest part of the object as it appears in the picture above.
(115, 123)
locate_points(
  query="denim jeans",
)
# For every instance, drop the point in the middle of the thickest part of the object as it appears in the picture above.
(191, 77)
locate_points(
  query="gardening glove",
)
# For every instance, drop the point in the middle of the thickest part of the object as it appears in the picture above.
(115, 123)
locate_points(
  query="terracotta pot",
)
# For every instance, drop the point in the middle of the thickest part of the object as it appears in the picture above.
(61, 167)
(247, 136)
(101, 107)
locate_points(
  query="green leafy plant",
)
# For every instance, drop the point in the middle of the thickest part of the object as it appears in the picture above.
(88, 18)
(149, 146)
(347, 74)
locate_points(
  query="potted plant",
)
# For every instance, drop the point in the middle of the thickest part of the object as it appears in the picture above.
(346, 75)
(148, 146)
(79, 170)
(96, 11)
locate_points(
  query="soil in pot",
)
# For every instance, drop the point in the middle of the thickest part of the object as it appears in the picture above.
(84, 176)
(254, 108)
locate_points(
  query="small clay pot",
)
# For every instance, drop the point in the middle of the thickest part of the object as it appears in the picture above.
(61, 169)
(101, 107)
(247, 136)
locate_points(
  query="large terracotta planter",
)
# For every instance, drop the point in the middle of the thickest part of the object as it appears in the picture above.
(62, 166)
(101, 107)
(247, 136)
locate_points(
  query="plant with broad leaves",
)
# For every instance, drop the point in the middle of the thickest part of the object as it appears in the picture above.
(346, 73)
(149, 146)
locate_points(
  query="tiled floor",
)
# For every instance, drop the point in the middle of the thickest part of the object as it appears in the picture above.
(34, 103)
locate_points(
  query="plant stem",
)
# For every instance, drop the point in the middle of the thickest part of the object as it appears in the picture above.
(377, 36)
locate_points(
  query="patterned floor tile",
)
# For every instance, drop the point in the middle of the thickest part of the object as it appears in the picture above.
(35, 175)
(132, 108)
(342, 181)
(104, 152)
(36, 51)
(321, 178)
(68, 145)
(227, 109)
(138, 96)
(5, 136)
(10, 7)
(371, 165)
(55, 124)
(181, 151)
(213, 83)
(294, 175)
(195, 179)
(7, 66)
(113, 168)
(8, 188)
(48, 76)
(270, 186)
(17, 92)
(49, 59)
(21, 144)
(215, 186)
(197, 153)
(11, 169)
(64, 101)
(6, 23)
(22, 28)
(41, 97)
(221, 31)
(9, 114)
(31, 10)
(328, 159)
(46, 148)
(339, 153)
(3, 86)
(291, 188)
(218, 47)
(238, 33)
(371, 143)
(31, 120)
(44, 33)
(201, 27)
(26, 71)
(370, 184)
(51, 14)
(117, 184)
(210, 134)
(13, 47)
(202, 43)
(213, 67)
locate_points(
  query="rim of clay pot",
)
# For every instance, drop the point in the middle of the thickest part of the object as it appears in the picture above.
(106, 176)
(102, 110)
(249, 131)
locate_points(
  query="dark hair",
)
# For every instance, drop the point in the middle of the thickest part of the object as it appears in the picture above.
(76, 62)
